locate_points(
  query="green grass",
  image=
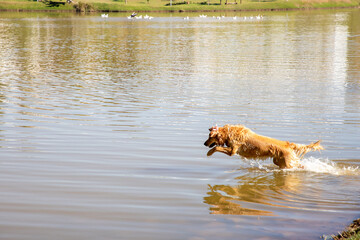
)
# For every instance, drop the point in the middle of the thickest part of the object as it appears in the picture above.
(355, 237)
(177, 5)
(352, 232)
(338, 237)
(32, 6)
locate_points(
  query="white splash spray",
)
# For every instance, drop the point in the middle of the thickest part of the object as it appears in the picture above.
(319, 165)
(311, 164)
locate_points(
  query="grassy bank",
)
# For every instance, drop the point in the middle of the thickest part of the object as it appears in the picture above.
(352, 232)
(172, 5)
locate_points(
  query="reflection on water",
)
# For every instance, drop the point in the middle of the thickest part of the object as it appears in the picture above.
(102, 124)
(254, 191)
(263, 185)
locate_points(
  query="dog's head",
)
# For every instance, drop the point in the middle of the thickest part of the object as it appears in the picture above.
(215, 137)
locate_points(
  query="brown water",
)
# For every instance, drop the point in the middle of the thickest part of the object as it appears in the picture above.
(102, 124)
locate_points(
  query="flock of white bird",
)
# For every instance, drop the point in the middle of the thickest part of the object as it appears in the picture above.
(133, 16)
(141, 17)
(258, 17)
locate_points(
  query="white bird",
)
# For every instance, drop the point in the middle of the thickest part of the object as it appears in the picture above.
(104, 15)
(235, 18)
(151, 18)
(186, 18)
(146, 16)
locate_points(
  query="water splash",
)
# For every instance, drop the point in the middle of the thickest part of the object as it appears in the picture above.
(319, 165)
(311, 164)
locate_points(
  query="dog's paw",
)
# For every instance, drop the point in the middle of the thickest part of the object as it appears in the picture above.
(211, 151)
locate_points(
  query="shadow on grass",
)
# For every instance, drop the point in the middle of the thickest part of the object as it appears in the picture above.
(206, 3)
(263, 0)
(186, 2)
(53, 4)
(177, 3)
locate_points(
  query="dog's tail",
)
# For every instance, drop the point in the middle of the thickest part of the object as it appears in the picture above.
(301, 149)
(315, 146)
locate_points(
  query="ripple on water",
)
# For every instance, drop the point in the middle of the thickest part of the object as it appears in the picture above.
(103, 124)
(260, 188)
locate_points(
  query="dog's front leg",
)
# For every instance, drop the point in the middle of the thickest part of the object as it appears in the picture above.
(226, 150)
(234, 150)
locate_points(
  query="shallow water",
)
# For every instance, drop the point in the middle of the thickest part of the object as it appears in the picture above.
(102, 124)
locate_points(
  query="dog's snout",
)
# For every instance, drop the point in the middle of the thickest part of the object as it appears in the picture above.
(210, 143)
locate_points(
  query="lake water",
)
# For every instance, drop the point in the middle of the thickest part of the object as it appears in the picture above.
(102, 125)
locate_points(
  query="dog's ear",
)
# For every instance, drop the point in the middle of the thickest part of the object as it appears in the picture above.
(214, 128)
(221, 136)
(213, 133)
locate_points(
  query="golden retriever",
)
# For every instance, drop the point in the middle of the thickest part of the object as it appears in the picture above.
(237, 139)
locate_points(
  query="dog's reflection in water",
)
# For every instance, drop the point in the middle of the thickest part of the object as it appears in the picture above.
(256, 193)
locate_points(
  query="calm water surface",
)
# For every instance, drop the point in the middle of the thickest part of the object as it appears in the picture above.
(102, 124)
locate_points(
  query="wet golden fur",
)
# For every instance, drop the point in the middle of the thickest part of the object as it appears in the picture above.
(237, 139)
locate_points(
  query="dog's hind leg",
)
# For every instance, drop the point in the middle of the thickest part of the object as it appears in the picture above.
(278, 156)
(279, 161)
(286, 159)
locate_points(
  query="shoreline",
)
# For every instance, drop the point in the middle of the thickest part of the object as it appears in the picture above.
(93, 7)
(351, 232)
(180, 11)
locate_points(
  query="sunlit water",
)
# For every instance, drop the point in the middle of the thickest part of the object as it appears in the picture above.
(102, 124)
